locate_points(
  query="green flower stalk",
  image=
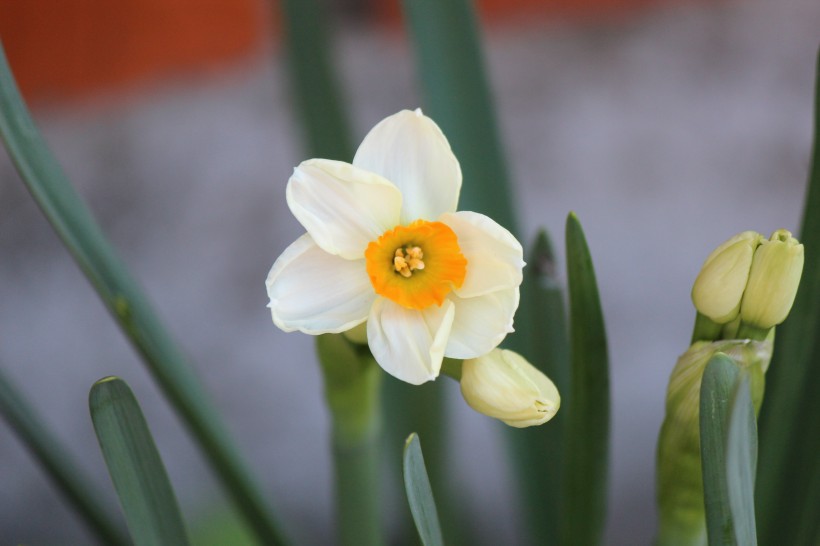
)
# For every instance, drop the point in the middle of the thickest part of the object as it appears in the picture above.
(503, 385)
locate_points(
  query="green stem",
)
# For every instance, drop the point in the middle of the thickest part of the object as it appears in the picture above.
(705, 329)
(452, 368)
(747, 331)
(352, 382)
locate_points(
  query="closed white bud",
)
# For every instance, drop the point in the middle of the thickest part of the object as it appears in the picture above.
(773, 282)
(503, 385)
(719, 287)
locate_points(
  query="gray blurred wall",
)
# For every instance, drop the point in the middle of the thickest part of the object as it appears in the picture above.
(667, 133)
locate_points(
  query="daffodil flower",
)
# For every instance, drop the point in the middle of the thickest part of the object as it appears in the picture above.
(385, 245)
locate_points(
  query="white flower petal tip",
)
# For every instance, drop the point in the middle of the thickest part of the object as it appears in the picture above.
(408, 343)
(303, 299)
(503, 385)
(341, 206)
(409, 149)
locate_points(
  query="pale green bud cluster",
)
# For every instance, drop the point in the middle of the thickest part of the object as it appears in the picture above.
(503, 385)
(679, 480)
(751, 278)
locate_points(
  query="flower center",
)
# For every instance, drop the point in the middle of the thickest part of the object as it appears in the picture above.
(416, 265)
(407, 260)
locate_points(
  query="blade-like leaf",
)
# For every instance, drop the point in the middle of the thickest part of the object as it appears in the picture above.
(788, 481)
(741, 463)
(587, 425)
(82, 236)
(457, 96)
(59, 465)
(542, 491)
(134, 464)
(314, 84)
(419, 493)
(719, 380)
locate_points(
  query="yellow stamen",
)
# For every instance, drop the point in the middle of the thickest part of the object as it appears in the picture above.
(416, 265)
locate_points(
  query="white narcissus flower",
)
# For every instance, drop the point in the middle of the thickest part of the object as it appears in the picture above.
(385, 245)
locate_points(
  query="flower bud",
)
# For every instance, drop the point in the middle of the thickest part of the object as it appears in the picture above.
(773, 281)
(679, 474)
(503, 385)
(718, 290)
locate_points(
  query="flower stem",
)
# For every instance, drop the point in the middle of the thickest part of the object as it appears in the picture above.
(352, 381)
(705, 329)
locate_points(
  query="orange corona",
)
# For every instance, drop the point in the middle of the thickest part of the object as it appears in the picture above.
(416, 266)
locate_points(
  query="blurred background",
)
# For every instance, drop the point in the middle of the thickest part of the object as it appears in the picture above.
(668, 126)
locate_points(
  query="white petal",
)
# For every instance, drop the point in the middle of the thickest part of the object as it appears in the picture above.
(494, 256)
(341, 206)
(317, 293)
(409, 343)
(410, 150)
(481, 323)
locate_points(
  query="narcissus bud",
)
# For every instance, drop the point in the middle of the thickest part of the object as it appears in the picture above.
(503, 385)
(680, 477)
(719, 287)
(773, 281)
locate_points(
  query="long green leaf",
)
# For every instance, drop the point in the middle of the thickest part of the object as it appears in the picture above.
(60, 466)
(788, 482)
(719, 380)
(419, 493)
(457, 96)
(314, 83)
(587, 428)
(542, 491)
(741, 462)
(82, 236)
(134, 464)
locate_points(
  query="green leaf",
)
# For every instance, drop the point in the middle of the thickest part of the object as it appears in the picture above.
(122, 296)
(587, 426)
(788, 481)
(59, 465)
(314, 84)
(719, 380)
(542, 491)
(457, 96)
(134, 464)
(741, 462)
(419, 493)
